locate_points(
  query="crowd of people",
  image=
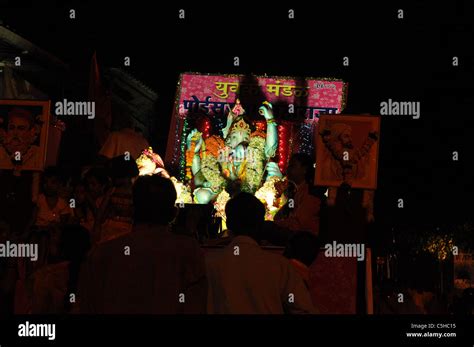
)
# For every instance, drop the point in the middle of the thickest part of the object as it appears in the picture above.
(108, 244)
(111, 241)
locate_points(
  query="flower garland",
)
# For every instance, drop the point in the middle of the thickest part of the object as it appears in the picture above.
(209, 163)
(213, 145)
(189, 162)
(255, 163)
(211, 172)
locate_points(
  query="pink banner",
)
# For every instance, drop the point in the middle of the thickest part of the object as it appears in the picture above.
(210, 93)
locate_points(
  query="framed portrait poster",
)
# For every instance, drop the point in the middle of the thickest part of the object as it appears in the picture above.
(23, 134)
(347, 148)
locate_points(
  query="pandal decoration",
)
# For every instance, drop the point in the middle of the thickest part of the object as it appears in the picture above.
(210, 170)
(256, 167)
(235, 160)
(183, 192)
(211, 148)
(190, 156)
(268, 194)
(219, 169)
(220, 203)
(150, 163)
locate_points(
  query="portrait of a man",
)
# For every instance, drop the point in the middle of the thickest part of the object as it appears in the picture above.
(23, 134)
(347, 151)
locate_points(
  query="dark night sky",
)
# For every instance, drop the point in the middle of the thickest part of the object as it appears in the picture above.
(406, 60)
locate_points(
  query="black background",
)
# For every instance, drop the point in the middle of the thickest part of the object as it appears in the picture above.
(321, 330)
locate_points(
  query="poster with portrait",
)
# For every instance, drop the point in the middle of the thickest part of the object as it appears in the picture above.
(347, 148)
(23, 134)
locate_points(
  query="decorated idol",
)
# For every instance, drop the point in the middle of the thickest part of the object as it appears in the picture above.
(240, 158)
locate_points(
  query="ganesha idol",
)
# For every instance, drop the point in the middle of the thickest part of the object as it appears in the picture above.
(240, 158)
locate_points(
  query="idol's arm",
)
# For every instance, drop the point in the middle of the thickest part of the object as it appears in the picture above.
(195, 136)
(271, 141)
(199, 179)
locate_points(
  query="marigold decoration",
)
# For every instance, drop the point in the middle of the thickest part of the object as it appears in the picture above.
(213, 145)
(260, 126)
(259, 133)
(189, 162)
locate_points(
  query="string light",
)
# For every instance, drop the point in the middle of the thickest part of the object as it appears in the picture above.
(306, 138)
(283, 144)
(175, 158)
(206, 128)
(292, 138)
(260, 125)
(182, 155)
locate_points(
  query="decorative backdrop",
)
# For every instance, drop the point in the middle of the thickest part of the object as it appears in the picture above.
(203, 100)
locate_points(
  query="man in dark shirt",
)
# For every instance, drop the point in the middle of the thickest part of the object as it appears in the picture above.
(149, 270)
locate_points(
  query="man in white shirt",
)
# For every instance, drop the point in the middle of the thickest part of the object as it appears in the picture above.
(243, 278)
